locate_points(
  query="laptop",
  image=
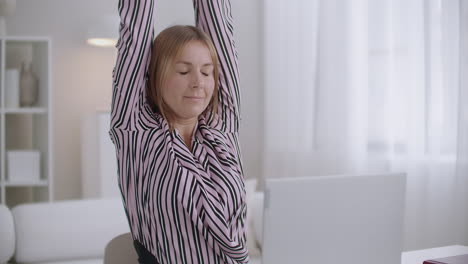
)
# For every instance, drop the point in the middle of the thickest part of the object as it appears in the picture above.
(352, 219)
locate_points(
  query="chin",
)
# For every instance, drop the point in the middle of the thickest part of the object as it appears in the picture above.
(191, 112)
(192, 115)
(197, 112)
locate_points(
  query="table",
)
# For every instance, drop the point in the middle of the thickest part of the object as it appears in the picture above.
(418, 256)
(411, 257)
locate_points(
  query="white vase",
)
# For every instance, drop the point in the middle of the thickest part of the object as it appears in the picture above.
(12, 79)
(28, 86)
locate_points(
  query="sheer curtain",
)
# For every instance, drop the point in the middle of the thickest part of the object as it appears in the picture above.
(369, 86)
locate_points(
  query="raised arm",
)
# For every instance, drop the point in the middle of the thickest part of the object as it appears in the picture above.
(129, 74)
(214, 18)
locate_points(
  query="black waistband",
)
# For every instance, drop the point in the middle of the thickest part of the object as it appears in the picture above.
(144, 256)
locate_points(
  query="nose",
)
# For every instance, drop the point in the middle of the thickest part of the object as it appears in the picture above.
(197, 80)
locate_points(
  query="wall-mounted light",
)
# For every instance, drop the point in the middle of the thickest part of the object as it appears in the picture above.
(104, 33)
(102, 42)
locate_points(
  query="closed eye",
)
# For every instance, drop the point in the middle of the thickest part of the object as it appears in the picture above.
(183, 73)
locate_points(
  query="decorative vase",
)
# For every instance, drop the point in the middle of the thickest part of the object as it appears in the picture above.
(12, 78)
(28, 86)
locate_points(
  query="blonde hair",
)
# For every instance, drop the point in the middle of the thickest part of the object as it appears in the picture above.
(166, 47)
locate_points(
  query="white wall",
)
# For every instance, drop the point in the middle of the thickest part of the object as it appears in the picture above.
(82, 74)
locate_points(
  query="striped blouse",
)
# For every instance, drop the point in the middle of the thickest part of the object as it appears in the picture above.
(183, 206)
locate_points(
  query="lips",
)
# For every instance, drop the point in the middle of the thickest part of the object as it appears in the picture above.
(193, 97)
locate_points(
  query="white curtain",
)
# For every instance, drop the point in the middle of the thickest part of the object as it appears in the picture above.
(366, 86)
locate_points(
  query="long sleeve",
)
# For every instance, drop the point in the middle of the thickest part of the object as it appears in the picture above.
(214, 18)
(129, 108)
(210, 208)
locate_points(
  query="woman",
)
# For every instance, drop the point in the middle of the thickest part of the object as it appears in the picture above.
(175, 120)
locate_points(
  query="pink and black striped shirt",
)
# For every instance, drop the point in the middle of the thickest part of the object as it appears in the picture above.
(183, 206)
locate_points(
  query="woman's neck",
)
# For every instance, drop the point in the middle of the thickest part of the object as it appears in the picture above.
(185, 129)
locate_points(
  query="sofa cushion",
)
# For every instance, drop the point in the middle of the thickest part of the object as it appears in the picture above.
(67, 230)
(7, 234)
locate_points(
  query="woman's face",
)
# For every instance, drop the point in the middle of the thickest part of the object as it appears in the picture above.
(190, 83)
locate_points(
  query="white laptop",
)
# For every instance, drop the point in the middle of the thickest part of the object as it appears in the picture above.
(355, 219)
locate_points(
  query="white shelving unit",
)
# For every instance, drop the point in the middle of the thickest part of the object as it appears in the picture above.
(26, 128)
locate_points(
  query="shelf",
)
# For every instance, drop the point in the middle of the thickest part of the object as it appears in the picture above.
(26, 110)
(25, 39)
(39, 183)
(25, 128)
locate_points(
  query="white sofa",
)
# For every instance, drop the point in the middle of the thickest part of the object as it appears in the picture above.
(77, 232)
(67, 232)
(7, 234)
